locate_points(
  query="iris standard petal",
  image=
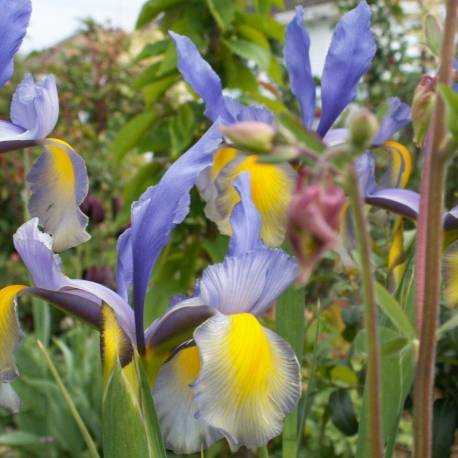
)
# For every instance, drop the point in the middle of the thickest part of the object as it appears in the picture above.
(35, 107)
(248, 382)
(245, 220)
(175, 406)
(297, 61)
(59, 183)
(401, 201)
(14, 21)
(397, 118)
(199, 74)
(349, 57)
(152, 221)
(247, 283)
(271, 190)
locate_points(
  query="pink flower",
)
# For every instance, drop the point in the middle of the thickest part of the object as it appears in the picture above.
(313, 221)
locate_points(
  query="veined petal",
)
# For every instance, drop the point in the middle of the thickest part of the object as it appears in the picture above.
(335, 137)
(245, 220)
(199, 74)
(248, 382)
(152, 221)
(349, 57)
(397, 117)
(35, 107)
(14, 20)
(175, 406)
(365, 169)
(271, 189)
(297, 62)
(247, 283)
(124, 266)
(59, 183)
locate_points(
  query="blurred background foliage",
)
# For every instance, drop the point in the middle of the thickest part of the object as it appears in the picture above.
(126, 110)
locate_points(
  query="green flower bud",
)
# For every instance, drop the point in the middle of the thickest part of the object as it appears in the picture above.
(250, 135)
(422, 108)
(363, 126)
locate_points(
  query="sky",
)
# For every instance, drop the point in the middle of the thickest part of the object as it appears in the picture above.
(54, 20)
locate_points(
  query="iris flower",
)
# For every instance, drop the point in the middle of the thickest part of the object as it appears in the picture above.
(58, 180)
(218, 371)
(348, 59)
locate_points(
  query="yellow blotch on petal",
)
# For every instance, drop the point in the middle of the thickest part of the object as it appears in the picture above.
(187, 365)
(271, 189)
(222, 157)
(63, 165)
(10, 332)
(401, 163)
(396, 254)
(250, 356)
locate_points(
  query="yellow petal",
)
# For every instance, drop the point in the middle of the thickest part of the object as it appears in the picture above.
(10, 332)
(396, 254)
(222, 157)
(175, 406)
(249, 380)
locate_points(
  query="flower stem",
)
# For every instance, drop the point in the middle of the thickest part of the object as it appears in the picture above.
(370, 315)
(429, 249)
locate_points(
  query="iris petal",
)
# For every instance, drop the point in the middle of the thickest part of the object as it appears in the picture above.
(14, 20)
(249, 282)
(271, 189)
(397, 117)
(59, 183)
(297, 62)
(349, 57)
(398, 173)
(198, 73)
(248, 382)
(175, 406)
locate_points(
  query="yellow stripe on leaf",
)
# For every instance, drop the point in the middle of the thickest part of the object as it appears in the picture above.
(10, 332)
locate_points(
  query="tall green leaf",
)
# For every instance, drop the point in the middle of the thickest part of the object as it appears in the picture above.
(152, 8)
(290, 323)
(130, 134)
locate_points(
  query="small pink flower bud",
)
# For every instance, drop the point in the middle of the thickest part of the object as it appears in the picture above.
(422, 107)
(313, 222)
(250, 135)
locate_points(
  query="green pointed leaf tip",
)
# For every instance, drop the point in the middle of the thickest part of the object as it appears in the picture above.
(124, 433)
(223, 11)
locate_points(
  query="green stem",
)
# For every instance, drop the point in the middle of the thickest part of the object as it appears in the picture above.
(82, 427)
(263, 452)
(370, 315)
(429, 249)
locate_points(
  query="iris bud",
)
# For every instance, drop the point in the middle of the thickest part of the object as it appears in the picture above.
(422, 107)
(250, 135)
(362, 128)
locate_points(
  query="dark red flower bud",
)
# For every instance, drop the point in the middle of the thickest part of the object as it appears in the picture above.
(93, 208)
(100, 274)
